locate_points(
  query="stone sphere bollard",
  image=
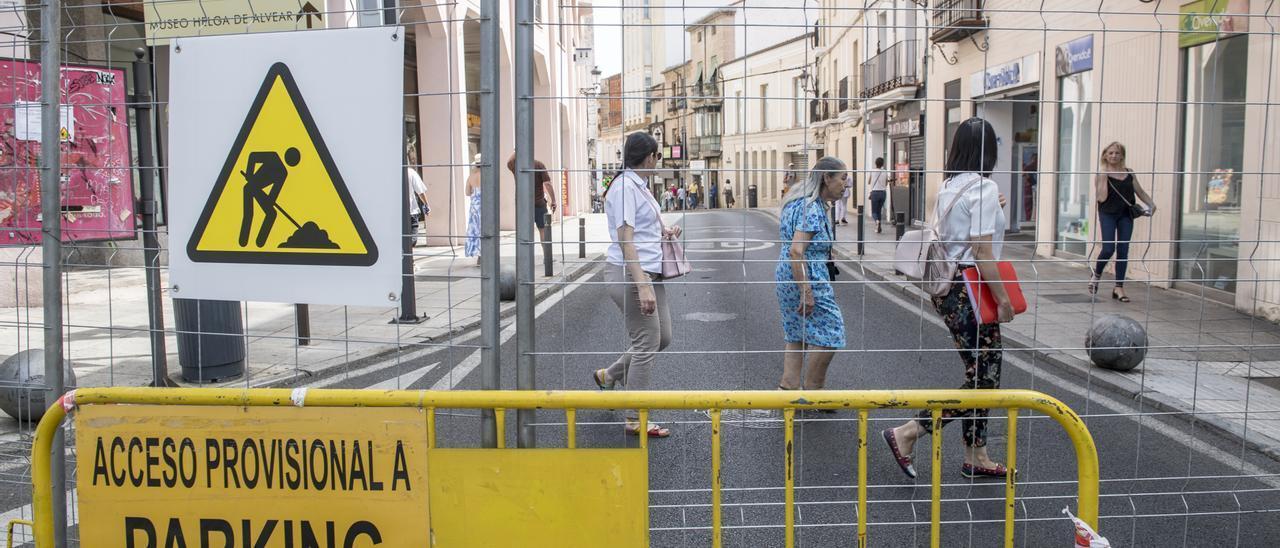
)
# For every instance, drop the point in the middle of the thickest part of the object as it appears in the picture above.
(22, 393)
(1116, 342)
(507, 282)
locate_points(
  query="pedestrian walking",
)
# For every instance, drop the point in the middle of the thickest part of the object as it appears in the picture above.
(668, 196)
(472, 247)
(544, 196)
(971, 223)
(713, 198)
(728, 193)
(788, 179)
(634, 273)
(842, 203)
(417, 190)
(1118, 191)
(682, 198)
(877, 191)
(811, 321)
(693, 195)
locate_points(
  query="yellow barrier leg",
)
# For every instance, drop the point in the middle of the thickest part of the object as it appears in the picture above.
(789, 419)
(500, 415)
(431, 428)
(1011, 464)
(935, 525)
(644, 429)
(716, 535)
(862, 478)
(571, 423)
(14, 523)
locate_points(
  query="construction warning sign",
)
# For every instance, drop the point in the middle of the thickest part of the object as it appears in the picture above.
(279, 197)
(167, 476)
(287, 172)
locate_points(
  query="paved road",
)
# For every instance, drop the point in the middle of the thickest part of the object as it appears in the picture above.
(1166, 482)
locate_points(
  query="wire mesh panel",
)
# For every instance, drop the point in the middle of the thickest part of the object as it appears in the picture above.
(1124, 169)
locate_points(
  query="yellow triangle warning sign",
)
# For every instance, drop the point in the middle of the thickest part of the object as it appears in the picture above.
(279, 198)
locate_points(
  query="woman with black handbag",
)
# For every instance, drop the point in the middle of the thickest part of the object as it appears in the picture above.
(811, 321)
(1117, 190)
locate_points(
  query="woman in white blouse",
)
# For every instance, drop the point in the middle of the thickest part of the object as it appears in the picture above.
(973, 234)
(634, 273)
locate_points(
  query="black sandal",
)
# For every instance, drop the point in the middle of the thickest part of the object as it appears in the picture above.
(1118, 297)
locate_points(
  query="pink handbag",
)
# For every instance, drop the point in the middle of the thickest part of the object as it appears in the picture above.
(674, 264)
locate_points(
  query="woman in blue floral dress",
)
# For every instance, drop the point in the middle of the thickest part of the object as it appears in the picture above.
(811, 318)
(472, 248)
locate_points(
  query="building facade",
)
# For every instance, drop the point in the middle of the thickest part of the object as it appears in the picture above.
(765, 123)
(1195, 109)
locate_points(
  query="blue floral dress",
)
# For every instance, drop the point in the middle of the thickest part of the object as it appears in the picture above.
(473, 225)
(825, 326)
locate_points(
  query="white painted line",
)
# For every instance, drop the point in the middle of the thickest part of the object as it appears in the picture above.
(404, 380)
(393, 361)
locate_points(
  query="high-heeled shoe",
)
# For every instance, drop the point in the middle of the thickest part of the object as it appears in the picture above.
(1119, 297)
(1093, 285)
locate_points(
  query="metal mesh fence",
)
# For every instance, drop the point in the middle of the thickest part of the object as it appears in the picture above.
(742, 99)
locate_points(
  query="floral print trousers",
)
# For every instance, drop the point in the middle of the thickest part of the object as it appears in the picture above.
(980, 348)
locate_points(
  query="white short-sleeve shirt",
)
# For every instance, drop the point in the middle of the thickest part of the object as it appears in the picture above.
(977, 213)
(630, 203)
(416, 187)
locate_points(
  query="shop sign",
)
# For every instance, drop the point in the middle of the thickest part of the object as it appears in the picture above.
(183, 18)
(677, 152)
(877, 120)
(1074, 56)
(696, 167)
(906, 122)
(1016, 73)
(1205, 21)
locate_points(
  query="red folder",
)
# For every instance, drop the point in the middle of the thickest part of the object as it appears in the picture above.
(984, 301)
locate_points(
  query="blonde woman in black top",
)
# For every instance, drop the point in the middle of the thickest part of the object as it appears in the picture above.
(1117, 190)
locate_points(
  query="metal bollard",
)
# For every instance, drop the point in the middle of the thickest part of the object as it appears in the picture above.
(302, 319)
(546, 247)
(582, 237)
(900, 224)
(861, 232)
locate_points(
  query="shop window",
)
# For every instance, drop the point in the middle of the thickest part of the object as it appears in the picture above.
(1213, 118)
(1077, 158)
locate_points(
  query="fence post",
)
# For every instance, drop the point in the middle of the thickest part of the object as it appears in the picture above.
(490, 209)
(147, 208)
(51, 242)
(524, 215)
(862, 246)
(408, 291)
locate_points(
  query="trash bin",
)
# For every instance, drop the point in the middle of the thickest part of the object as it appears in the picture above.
(751, 196)
(210, 339)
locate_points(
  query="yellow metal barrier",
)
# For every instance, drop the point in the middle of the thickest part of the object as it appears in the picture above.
(9, 530)
(716, 401)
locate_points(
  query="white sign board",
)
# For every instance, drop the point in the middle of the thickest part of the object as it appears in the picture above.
(286, 177)
(1016, 73)
(696, 167)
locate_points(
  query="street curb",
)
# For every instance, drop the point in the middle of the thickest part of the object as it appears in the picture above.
(1080, 369)
(587, 267)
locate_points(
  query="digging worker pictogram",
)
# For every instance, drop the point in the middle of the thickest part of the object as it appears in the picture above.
(265, 169)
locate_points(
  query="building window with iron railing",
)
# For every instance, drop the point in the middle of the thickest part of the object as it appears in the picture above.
(892, 68)
(954, 20)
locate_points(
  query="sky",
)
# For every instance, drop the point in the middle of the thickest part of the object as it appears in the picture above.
(608, 15)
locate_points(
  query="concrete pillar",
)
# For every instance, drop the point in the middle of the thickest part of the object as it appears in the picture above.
(442, 126)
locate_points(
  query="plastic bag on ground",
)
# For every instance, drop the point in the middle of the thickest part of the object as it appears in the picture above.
(1086, 537)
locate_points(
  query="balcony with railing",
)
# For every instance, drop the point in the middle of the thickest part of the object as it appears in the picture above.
(709, 146)
(955, 20)
(892, 69)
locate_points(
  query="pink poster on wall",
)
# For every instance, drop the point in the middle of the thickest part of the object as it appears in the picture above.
(97, 192)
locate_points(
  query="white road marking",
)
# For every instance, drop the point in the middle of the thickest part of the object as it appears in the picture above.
(404, 380)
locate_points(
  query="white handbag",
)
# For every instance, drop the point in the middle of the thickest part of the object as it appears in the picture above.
(920, 256)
